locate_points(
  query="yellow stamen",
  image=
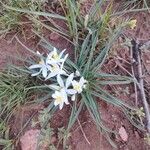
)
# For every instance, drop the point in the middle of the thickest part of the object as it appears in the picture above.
(54, 67)
(77, 87)
(58, 99)
(55, 56)
(41, 62)
(132, 24)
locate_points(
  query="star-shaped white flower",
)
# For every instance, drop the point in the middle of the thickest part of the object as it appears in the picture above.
(79, 86)
(66, 85)
(55, 70)
(55, 58)
(60, 98)
(41, 67)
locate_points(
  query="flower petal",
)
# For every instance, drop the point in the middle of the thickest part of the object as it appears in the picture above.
(61, 54)
(52, 74)
(73, 97)
(35, 66)
(61, 105)
(65, 57)
(71, 91)
(74, 82)
(65, 97)
(69, 80)
(63, 72)
(82, 81)
(56, 103)
(77, 73)
(44, 71)
(38, 53)
(35, 74)
(60, 81)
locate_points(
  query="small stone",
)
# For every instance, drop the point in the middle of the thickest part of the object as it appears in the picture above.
(54, 36)
(123, 134)
(29, 140)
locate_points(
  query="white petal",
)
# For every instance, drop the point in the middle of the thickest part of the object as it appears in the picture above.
(60, 55)
(77, 73)
(73, 97)
(56, 103)
(54, 95)
(80, 91)
(65, 57)
(52, 74)
(61, 106)
(54, 51)
(35, 66)
(74, 82)
(48, 67)
(57, 93)
(52, 61)
(65, 97)
(44, 71)
(60, 81)
(62, 65)
(50, 54)
(35, 74)
(71, 91)
(69, 80)
(82, 81)
(63, 72)
(38, 53)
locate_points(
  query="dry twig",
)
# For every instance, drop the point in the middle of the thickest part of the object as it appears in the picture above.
(137, 66)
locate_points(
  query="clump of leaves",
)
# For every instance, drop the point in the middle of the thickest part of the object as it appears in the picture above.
(10, 19)
(5, 141)
(90, 52)
(14, 92)
(130, 5)
(89, 66)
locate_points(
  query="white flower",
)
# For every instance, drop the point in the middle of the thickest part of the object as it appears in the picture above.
(67, 84)
(60, 98)
(41, 67)
(79, 86)
(73, 97)
(55, 58)
(77, 73)
(56, 70)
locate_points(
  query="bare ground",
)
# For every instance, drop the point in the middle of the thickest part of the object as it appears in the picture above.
(112, 117)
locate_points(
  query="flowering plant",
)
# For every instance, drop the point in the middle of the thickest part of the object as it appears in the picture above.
(80, 81)
(53, 67)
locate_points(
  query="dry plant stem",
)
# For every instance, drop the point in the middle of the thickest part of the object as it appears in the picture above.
(83, 132)
(135, 86)
(136, 50)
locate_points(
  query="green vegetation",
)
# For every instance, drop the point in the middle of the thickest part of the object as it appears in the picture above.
(92, 37)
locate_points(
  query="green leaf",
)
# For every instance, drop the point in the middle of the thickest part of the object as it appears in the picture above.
(74, 114)
(93, 109)
(104, 95)
(91, 52)
(104, 52)
(34, 12)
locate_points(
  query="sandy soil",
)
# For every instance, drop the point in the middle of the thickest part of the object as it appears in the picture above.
(112, 117)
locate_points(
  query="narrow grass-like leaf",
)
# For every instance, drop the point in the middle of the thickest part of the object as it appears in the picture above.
(104, 52)
(126, 112)
(113, 82)
(101, 93)
(91, 53)
(82, 55)
(34, 12)
(93, 109)
(74, 114)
